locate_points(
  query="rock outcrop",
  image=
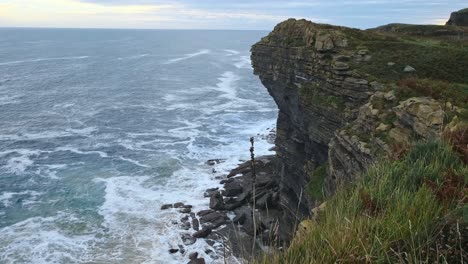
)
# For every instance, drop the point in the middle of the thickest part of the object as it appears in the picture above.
(459, 18)
(306, 68)
(301, 65)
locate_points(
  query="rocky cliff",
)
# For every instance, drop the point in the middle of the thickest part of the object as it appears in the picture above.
(348, 98)
(459, 18)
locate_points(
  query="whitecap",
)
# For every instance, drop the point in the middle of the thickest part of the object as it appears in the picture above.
(19, 164)
(77, 151)
(43, 59)
(51, 244)
(188, 56)
(5, 100)
(50, 134)
(134, 162)
(232, 52)
(6, 197)
(243, 62)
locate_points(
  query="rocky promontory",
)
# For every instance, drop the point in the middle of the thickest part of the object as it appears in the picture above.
(347, 99)
(459, 18)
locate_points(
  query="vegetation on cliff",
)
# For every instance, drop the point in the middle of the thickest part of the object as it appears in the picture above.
(402, 211)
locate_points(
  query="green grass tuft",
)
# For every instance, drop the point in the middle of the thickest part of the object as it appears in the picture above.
(393, 214)
(316, 183)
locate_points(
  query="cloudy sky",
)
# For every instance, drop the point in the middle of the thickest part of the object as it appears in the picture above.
(220, 14)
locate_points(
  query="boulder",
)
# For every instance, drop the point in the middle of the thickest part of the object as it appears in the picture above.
(195, 224)
(173, 250)
(193, 255)
(203, 233)
(166, 206)
(212, 162)
(232, 188)
(185, 210)
(214, 219)
(409, 69)
(210, 192)
(422, 115)
(197, 261)
(217, 201)
(178, 205)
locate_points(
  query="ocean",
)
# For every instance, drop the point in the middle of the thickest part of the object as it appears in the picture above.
(99, 128)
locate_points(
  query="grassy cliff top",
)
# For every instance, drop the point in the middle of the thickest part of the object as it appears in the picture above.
(436, 52)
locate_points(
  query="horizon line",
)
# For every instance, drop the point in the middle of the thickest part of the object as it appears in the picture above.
(117, 28)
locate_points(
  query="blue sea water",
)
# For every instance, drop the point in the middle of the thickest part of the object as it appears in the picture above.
(99, 128)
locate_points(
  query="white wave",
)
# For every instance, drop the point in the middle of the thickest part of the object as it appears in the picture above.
(64, 105)
(226, 85)
(43, 59)
(50, 170)
(77, 151)
(232, 52)
(134, 162)
(188, 56)
(228, 88)
(188, 130)
(139, 56)
(134, 57)
(6, 197)
(19, 164)
(243, 62)
(40, 240)
(132, 214)
(50, 134)
(9, 99)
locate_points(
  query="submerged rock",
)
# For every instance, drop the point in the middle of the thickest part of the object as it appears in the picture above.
(188, 239)
(166, 206)
(173, 250)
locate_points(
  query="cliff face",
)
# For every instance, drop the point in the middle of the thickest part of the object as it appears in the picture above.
(298, 61)
(342, 102)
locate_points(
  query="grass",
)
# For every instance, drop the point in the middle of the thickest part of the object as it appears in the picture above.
(394, 214)
(445, 63)
(311, 94)
(439, 90)
(316, 183)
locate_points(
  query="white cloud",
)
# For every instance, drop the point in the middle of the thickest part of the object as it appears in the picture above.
(74, 13)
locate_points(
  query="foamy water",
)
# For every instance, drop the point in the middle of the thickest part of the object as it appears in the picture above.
(101, 128)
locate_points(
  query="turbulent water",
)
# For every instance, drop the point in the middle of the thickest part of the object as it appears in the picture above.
(99, 128)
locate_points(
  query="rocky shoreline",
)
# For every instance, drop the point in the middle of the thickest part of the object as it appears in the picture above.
(228, 226)
(346, 99)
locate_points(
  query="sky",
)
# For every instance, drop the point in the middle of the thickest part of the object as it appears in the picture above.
(220, 14)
